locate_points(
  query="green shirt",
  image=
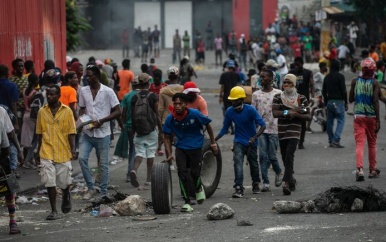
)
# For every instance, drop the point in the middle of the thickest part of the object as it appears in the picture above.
(21, 83)
(307, 40)
(126, 103)
(186, 40)
(380, 76)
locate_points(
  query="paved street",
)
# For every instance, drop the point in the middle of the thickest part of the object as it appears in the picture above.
(317, 168)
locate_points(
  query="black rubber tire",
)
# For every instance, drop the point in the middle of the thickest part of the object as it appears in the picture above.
(211, 169)
(161, 188)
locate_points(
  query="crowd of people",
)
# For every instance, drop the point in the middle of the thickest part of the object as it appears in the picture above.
(49, 120)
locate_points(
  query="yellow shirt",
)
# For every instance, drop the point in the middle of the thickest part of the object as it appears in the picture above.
(55, 130)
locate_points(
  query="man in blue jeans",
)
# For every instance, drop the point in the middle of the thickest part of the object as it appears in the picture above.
(335, 97)
(246, 120)
(268, 141)
(101, 104)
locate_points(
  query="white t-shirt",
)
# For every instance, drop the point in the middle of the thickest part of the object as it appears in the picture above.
(342, 51)
(262, 101)
(318, 83)
(5, 128)
(99, 108)
(280, 61)
(353, 31)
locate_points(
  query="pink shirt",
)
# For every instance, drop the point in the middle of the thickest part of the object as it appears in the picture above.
(218, 43)
(200, 105)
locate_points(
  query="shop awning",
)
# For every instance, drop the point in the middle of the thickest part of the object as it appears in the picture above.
(332, 10)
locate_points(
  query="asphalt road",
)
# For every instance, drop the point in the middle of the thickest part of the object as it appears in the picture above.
(317, 168)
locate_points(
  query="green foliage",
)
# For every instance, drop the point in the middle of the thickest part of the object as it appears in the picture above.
(76, 24)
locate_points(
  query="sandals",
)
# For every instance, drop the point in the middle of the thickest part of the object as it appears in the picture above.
(53, 216)
(186, 208)
(200, 196)
(160, 153)
(134, 179)
(66, 203)
(13, 229)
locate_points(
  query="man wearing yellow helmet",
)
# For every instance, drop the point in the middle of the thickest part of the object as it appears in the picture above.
(246, 120)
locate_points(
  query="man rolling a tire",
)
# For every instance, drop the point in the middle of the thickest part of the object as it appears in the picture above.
(187, 125)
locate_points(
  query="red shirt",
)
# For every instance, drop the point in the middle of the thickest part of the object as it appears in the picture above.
(333, 54)
(156, 89)
(297, 50)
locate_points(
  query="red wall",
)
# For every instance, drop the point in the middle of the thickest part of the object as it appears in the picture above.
(269, 12)
(241, 17)
(33, 30)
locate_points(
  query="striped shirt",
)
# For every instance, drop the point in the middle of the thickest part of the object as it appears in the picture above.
(289, 128)
(55, 130)
(364, 90)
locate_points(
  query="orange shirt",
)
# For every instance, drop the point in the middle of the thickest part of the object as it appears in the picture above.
(67, 95)
(374, 56)
(125, 79)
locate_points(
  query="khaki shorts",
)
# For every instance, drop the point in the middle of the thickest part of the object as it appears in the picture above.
(55, 174)
(146, 146)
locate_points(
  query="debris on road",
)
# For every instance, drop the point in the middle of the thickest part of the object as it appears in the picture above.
(287, 206)
(144, 218)
(220, 211)
(132, 205)
(243, 222)
(338, 200)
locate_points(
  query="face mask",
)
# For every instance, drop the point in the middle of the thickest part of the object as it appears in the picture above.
(289, 90)
(237, 106)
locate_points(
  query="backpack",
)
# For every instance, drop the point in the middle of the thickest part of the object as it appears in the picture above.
(36, 103)
(144, 118)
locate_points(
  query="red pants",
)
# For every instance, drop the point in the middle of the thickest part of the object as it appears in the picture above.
(365, 128)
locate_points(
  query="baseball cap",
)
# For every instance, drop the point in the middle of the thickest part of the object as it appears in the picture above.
(231, 63)
(190, 87)
(143, 78)
(271, 63)
(135, 81)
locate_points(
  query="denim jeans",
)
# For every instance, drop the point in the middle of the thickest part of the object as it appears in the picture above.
(131, 151)
(239, 151)
(268, 144)
(102, 148)
(335, 110)
(12, 156)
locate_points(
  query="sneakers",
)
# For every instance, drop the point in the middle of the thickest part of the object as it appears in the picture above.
(374, 173)
(279, 179)
(292, 184)
(286, 190)
(29, 165)
(360, 176)
(186, 208)
(300, 146)
(172, 168)
(336, 145)
(200, 196)
(89, 194)
(255, 188)
(239, 192)
(309, 131)
(265, 188)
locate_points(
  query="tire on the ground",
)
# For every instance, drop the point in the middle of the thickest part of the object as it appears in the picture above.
(161, 188)
(210, 171)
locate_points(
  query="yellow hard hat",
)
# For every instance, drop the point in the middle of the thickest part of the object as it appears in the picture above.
(236, 93)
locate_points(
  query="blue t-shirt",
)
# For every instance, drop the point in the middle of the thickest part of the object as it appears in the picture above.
(189, 132)
(8, 92)
(245, 122)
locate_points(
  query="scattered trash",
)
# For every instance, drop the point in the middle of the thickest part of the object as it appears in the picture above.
(243, 222)
(22, 200)
(42, 192)
(338, 200)
(220, 211)
(94, 212)
(36, 228)
(105, 211)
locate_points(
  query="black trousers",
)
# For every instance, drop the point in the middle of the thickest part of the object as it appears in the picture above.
(303, 132)
(189, 163)
(287, 150)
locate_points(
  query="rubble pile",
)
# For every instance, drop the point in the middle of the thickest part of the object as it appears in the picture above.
(338, 200)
